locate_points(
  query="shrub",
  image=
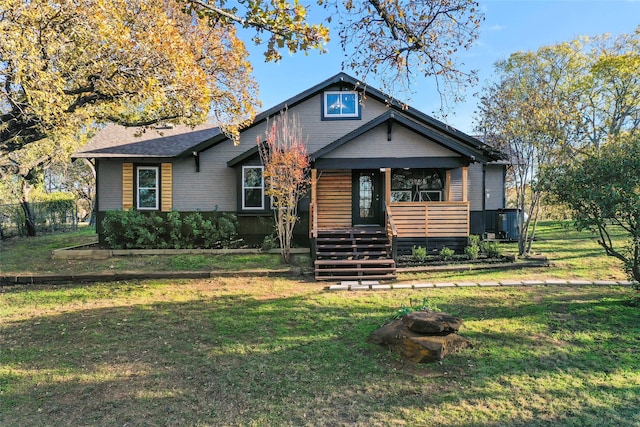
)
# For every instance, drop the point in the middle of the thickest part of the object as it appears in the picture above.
(419, 253)
(491, 249)
(56, 208)
(414, 305)
(173, 235)
(474, 240)
(148, 230)
(472, 251)
(194, 231)
(121, 228)
(269, 242)
(227, 229)
(446, 253)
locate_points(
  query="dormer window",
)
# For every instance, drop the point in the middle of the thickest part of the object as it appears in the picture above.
(341, 105)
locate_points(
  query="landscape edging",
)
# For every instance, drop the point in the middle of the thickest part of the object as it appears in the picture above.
(75, 253)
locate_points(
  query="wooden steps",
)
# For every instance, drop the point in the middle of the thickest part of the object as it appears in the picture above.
(354, 254)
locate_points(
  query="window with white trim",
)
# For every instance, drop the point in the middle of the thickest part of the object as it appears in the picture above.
(341, 104)
(252, 187)
(147, 183)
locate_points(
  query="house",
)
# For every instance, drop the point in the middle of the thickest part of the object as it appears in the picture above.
(385, 177)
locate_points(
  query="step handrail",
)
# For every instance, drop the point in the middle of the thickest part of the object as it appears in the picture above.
(392, 230)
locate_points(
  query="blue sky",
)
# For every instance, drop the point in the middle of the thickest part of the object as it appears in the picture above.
(509, 26)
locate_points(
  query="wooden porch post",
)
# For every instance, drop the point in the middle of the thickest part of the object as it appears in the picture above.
(314, 177)
(392, 232)
(387, 185)
(313, 212)
(313, 215)
(465, 184)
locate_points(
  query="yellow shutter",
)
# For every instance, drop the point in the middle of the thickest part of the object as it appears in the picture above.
(166, 183)
(127, 186)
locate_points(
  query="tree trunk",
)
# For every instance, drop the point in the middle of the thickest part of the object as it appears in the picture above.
(635, 262)
(93, 214)
(92, 194)
(635, 272)
(29, 217)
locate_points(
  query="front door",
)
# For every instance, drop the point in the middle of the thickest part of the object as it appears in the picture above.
(367, 205)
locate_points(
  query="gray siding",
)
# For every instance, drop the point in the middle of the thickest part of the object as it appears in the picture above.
(494, 194)
(215, 186)
(110, 181)
(404, 143)
(455, 186)
(476, 190)
(322, 132)
(317, 132)
(109, 184)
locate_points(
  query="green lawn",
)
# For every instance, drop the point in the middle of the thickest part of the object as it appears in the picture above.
(33, 255)
(265, 351)
(280, 352)
(575, 255)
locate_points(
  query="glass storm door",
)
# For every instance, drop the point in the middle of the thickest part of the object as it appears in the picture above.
(366, 197)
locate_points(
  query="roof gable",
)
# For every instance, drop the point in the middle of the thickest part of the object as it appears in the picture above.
(447, 140)
(180, 141)
(422, 123)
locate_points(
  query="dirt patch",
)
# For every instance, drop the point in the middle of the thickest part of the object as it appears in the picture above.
(407, 261)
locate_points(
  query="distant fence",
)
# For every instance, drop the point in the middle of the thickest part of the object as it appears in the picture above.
(49, 217)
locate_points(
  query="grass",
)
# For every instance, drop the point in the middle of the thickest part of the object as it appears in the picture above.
(264, 351)
(33, 255)
(280, 352)
(574, 255)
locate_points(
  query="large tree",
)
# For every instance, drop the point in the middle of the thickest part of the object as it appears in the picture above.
(394, 40)
(523, 114)
(556, 104)
(399, 40)
(606, 89)
(602, 189)
(67, 65)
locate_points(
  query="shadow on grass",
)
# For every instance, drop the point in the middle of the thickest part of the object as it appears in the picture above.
(235, 359)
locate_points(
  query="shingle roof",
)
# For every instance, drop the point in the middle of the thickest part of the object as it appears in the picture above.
(119, 141)
(168, 141)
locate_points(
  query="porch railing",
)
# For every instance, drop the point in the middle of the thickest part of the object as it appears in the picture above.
(431, 219)
(313, 229)
(313, 224)
(392, 230)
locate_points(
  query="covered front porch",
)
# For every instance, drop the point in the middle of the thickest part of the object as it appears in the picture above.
(419, 207)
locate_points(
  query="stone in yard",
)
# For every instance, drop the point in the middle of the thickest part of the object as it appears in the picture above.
(415, 346)
(432, 323)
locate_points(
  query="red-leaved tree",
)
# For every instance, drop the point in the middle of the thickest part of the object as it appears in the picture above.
(286, 174)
